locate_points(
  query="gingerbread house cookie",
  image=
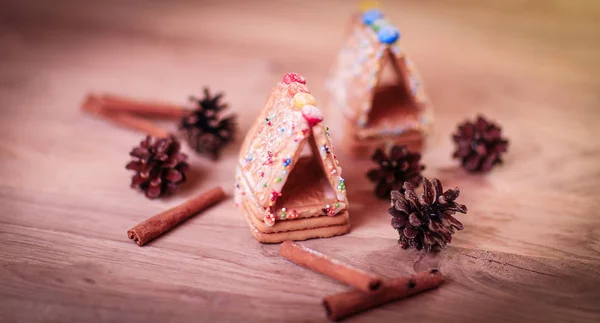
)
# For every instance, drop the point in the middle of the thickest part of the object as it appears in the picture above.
(289, 182)
(377, 89)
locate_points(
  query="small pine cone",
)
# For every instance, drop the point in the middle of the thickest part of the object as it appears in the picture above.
(205, 131)
(479, 145)
(396, 167)
(426, 222)
(159, 166)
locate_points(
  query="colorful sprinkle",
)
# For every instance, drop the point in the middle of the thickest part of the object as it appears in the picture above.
(270, 158)
(293, 78)
(371, 15)
(278, 180)
(275, 195)
(287, 162)
(301, 99)
(270, 219)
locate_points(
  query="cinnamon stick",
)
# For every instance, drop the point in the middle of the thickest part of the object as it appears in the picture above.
(165, 221)
(154, 109)
(93, 105)
(337, 270)
(339, 306)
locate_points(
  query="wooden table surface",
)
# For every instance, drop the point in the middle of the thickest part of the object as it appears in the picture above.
(530, 250)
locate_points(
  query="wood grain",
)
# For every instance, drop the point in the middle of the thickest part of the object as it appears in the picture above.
(530, 250)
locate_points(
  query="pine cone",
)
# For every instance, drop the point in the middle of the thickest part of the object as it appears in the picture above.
(479, 145)
(426, 222)
(159, 166)
(206, 132)
(395, 168)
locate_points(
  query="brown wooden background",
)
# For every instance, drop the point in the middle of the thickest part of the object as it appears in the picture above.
(531, 247)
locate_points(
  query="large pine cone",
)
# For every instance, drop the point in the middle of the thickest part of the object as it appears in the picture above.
(205, 131)
(159, 166)
(396, 167)
(426, 222)
(479, 145)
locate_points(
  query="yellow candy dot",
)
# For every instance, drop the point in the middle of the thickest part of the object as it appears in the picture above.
(301, 99)
(369, 4)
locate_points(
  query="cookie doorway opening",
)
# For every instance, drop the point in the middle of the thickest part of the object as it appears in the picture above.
(307, 187)
(393, 103)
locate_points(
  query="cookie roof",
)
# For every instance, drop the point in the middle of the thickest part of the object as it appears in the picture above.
(273, 144)
(369, 45)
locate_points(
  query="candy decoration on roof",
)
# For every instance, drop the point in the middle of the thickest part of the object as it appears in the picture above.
(379, 23)
(386, 32)
(312, 115)
(369, 5)
(293, 78)
(371, 15)
(301, 99)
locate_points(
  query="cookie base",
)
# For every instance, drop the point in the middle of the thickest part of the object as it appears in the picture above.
(297, 235)
(295, 224)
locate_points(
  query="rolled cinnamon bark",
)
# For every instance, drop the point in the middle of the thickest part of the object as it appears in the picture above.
(94, 106)
(337, 270)
(154, 109)
(339, 306)
(163, 222)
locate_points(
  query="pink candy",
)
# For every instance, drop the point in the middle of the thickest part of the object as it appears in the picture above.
(312, 115)
(293, 78)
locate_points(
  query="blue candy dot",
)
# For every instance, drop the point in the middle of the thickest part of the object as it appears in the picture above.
(371, 15)
(388, 34)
